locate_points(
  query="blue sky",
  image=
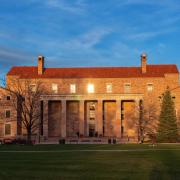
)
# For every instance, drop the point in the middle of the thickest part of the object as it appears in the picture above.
(71, 33)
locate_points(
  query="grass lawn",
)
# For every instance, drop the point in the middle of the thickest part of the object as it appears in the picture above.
(72, 162)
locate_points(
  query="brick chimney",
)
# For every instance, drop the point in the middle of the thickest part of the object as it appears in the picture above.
(40, 65)
(143, 63)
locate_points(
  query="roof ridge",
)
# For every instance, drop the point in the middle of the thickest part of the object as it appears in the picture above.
(94, 72)
(161, 65)
(22, 66)
(95, 67)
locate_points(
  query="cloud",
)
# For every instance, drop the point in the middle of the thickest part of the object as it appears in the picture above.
(161, 48)
(145, 2)
(78, 7)
(90, 38)
(11, 56)
(4, 35)
(170, 20)
(122, 51)
(141, 36)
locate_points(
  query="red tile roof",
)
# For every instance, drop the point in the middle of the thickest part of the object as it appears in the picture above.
(93, 72)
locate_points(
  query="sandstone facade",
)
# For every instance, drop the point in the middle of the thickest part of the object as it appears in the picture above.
(94, 102)
(8, 116)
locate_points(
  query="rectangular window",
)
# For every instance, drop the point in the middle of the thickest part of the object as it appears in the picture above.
(8, 98)
(72, 88)
(55, 88)
(90, 88)
(109, 88)
(1, 131)
(33, 87)
(7, 129)
(8, 113)
(127, 87)
(150, 87)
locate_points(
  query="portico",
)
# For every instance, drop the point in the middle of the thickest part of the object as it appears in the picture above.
(90, 115)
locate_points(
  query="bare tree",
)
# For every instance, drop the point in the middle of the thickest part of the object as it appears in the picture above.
(26, 96)
(178, 120)
(143, 120)
(147, 121)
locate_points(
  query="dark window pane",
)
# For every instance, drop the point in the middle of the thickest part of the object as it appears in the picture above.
(7, 129)
(8, 113)
(8, 98)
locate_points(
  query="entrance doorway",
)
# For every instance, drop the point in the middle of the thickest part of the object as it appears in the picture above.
(91, 108)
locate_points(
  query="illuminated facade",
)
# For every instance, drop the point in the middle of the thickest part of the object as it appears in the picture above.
(95, 102)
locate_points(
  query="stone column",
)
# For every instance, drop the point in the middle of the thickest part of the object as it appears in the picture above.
(100, 118)
(63, 119)
(81, 117)
(137, 107)
(137, 115)
(45, 118)
(40, 121)
(118, 119)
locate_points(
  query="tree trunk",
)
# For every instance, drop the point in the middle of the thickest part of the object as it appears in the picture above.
(29, 136)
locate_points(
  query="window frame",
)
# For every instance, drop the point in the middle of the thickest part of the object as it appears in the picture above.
(107, 89)
(6, 110)
(127, 90)
(34, 87)
(8, 97)
(73, 88)
(147, 86)
(5, 129)
(54, 90)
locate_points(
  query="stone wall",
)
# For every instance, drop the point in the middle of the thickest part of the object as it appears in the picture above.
(54, 120)
(7, 104)
(72, 114)
(72, 121)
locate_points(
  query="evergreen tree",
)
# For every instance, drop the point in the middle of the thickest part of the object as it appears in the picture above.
(167, 127)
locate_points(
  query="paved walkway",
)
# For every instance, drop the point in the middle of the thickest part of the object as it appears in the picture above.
(89, 150)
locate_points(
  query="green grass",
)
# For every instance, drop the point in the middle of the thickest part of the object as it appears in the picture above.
(59, 162)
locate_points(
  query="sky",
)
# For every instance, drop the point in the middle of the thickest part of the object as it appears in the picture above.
(76, 33)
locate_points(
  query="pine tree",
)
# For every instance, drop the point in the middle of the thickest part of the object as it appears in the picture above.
(167, 128)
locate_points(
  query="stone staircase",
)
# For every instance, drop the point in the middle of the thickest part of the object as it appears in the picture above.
(87, 140)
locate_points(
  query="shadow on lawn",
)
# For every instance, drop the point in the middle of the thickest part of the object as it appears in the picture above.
(155, 174)
(168, 167)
